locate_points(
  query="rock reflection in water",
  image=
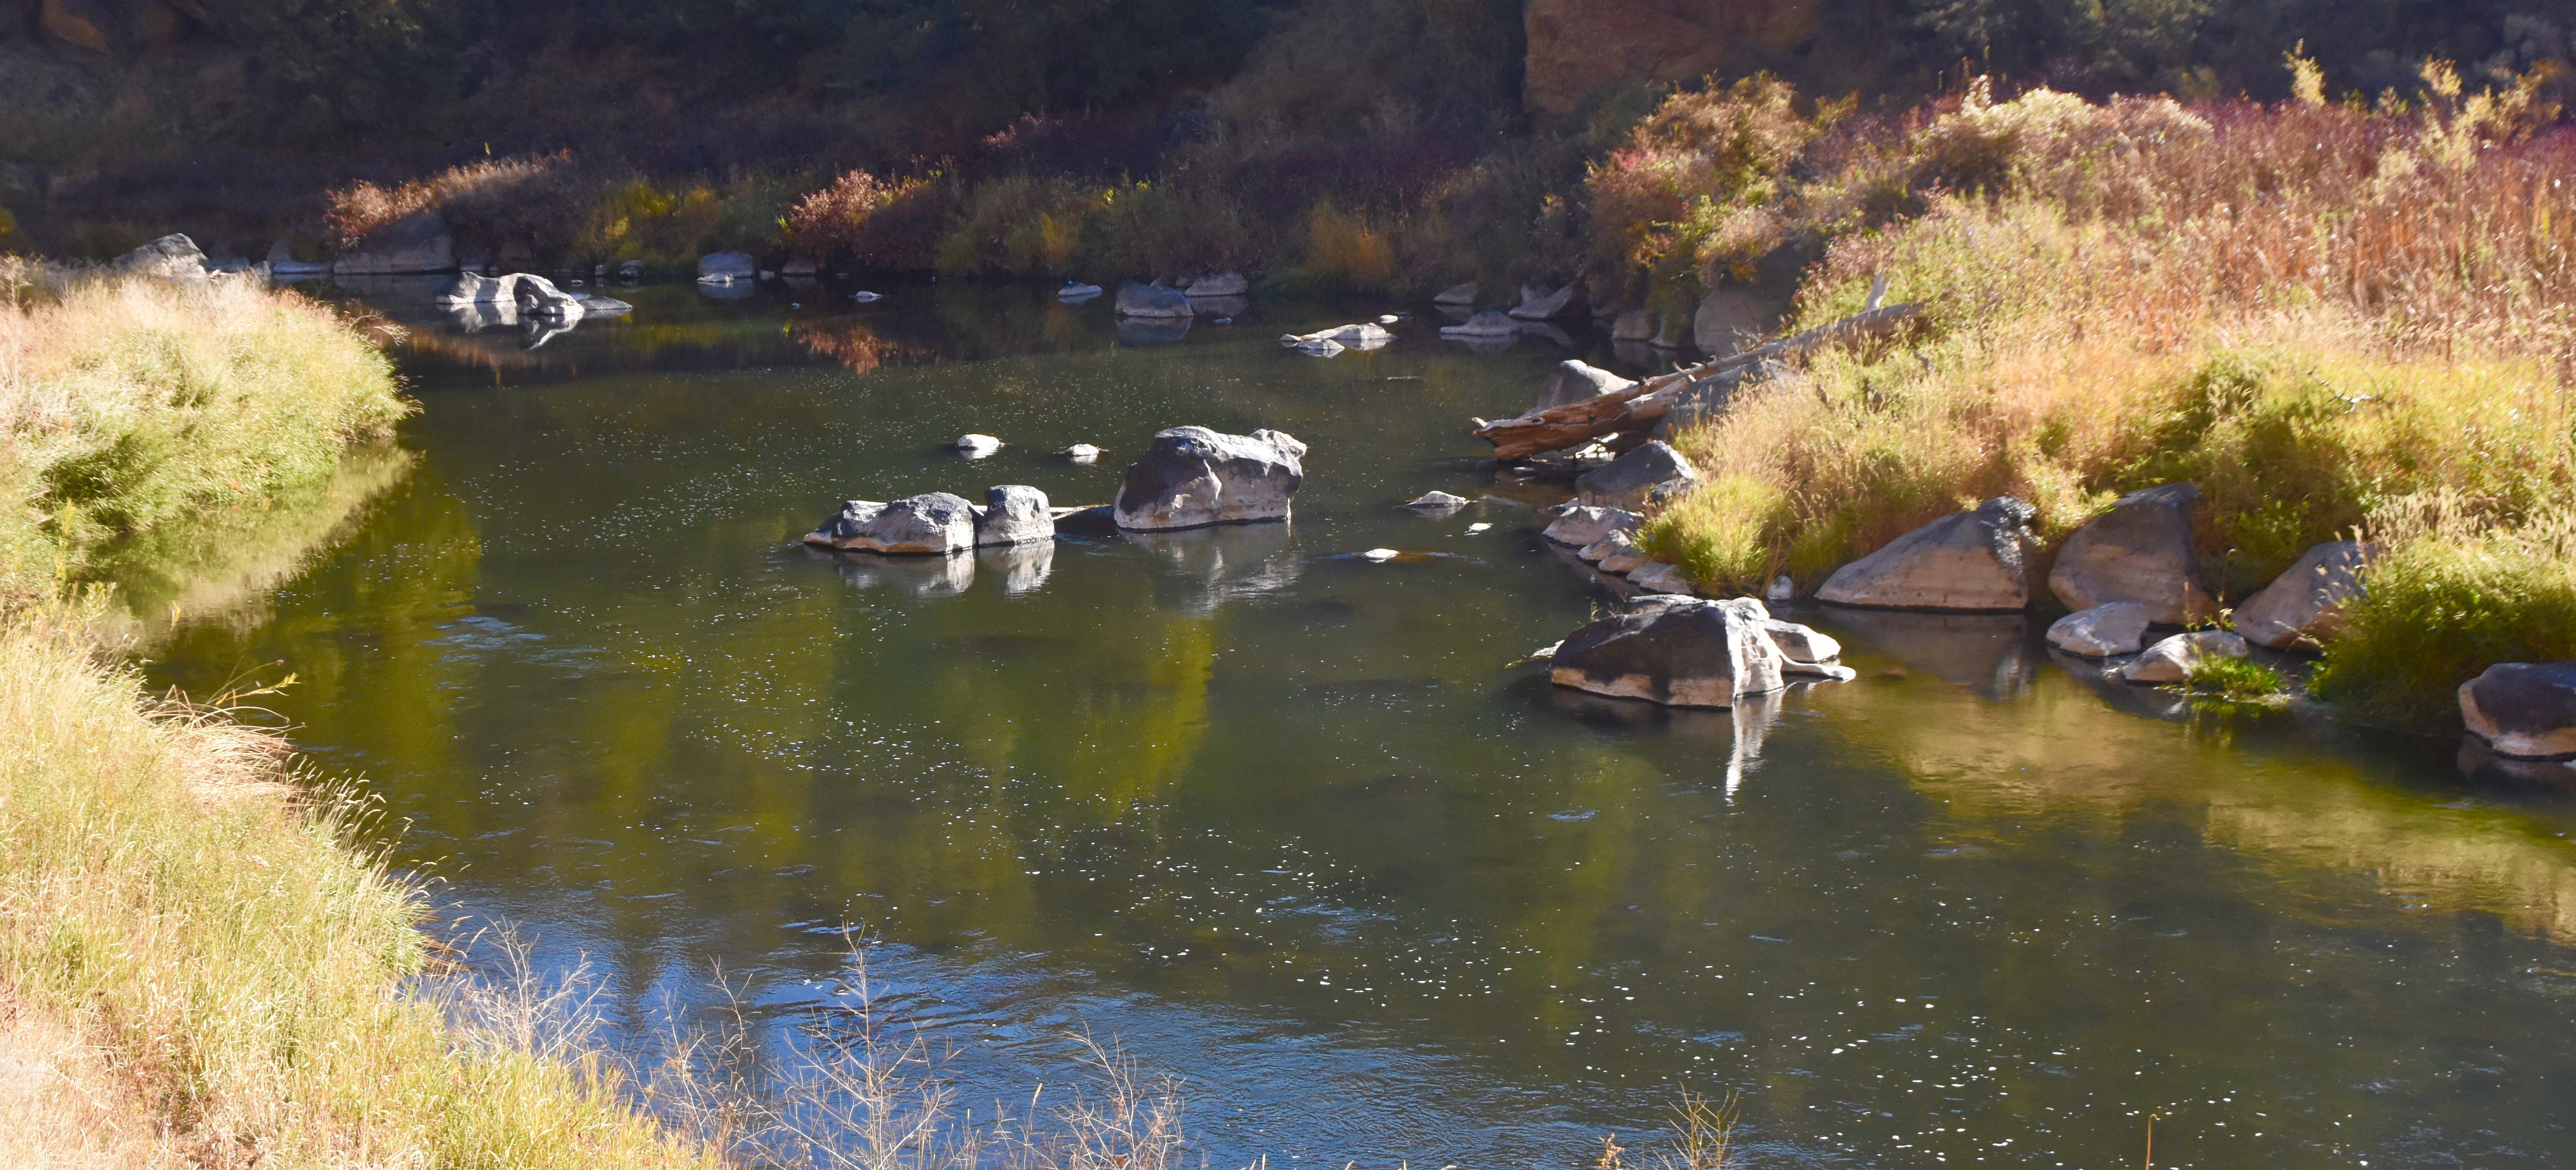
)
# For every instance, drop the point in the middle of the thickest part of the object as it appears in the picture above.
(1152, 330)
(1023, 567)
(1218, 563)
(477, 316)
(1990, 654)
(920, 576)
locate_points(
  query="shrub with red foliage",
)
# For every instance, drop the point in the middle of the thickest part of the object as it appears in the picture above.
(891, 224)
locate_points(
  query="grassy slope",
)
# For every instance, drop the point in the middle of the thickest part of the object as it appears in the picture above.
(166, 889)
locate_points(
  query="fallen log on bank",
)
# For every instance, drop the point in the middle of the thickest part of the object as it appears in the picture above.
(1577, 423)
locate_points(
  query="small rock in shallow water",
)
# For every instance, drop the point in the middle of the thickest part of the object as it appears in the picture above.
(1014, 514)
(1388, 319)
(1682, 652)
(978, 446)
(1382, 554)
(867, 298)
(1473, 529)
(1081, 452)
(2103, 631)
(1441, 500)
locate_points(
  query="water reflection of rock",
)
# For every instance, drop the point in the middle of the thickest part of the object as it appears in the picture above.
(919, 576)
(856, 346)
(1215, 564)
(1990, 654)
(1152, 330)
(1022, 567)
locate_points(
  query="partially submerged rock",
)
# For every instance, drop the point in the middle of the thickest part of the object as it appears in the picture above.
(1014, 514)
(1320, 347)
(1681, 652)
(1076, 292)
(1081, 452)
(1360, 336)
(1191, 477)
(172, 257)
(1615, 552)
(2305, 605)
(975, 446)
(1153, 300)
(2172, 660)
(933, 523)
(1976, 561)
(2104, 631)
(1438, 501)
(2141, 550)
(1649, 475)
(1804, 647)
(2523, 710)
(1574, 380)
(1486, 324)
(1582, 526)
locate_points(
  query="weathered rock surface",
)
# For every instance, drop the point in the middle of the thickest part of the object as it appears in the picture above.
(1612, 542)
(1191, 477)
(1153, 300)
(1648, 475)
(933, 523)
(1729, 318)
(1438, 501)
(2141, 550)
(1486, 324)
(1539, 303)
(2305, 605)
(2104, 631)
(1580, 527)
(1658, 577)
(415, 243)
(1363, 335)
(1681, 652)
(975, 446)
(2523, 710)
(1633, 325)
(538, 297)
(1574, 380)
(1975, 561)
(2172, 660)
(1014, 514)
(1220, 284)
(732, 265)
(172, 257)
(1456, 294)
(1801, 645)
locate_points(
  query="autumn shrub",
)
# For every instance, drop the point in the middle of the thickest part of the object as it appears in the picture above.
(888, 223)
(1346, 250)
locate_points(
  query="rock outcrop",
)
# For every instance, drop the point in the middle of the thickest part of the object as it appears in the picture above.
(172, 257)
(1153, 300)
(419, 242)
(933, 523)
(2141, 550)
(2304, 606)
(1976, 561)
(1574, 380)
(1580, 527)
(2104, 631)
(1014, 514)
(2172, 660)
(1649, 475)
(1681, 652)
(1192, 477)
(2523, 710)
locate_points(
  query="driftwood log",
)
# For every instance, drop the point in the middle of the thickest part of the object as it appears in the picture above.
(1577, 423)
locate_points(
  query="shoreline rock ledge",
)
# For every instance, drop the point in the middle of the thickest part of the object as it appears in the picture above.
(1973, 562)
(1193, 477)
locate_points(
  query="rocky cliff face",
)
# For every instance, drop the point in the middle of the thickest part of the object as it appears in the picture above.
(1580, 48)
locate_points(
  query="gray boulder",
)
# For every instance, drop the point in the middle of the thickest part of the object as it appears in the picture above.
(1486, 324)
(1456, 294)
(1646, 476)
(2523, 710)
(1153, 300)
(470, 288)
(2104, 631)
(1728, 318)
(172, 257)
(1365, 335)
(538, 297)
(1580, 527)
(1801, 646)
(415, 243)
(2172, 660)
(1191, 477)
(2305, 605)
(1976, 561)
(1439, 502)
(1681, 652)
(2141, 550)
(1633, 325)
(727, 265)
(1014, 514)
(1576, 381)
(1220, 284)
(934, 523)
(1540, 304)
(1658, 577)
(1615, 553)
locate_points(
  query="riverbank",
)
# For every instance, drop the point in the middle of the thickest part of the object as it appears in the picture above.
(193, 945)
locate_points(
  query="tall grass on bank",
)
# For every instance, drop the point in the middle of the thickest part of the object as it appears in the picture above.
(133, 406)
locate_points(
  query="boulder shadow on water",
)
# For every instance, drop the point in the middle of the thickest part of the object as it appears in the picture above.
(917, 576)
(1023, 567)
(1212, 565)
(1990, 654)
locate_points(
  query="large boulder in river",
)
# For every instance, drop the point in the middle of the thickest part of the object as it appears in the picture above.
(2104, 631)
(1976, 561)
(1648, 475)
(2305, 605)
(172, 257)
(934, 523)
(538, 297)
(1574, 380)
(1153, 300)
(418, 242)
(2523, 710)
(1581, 527)
(1014, 514)
(1191, 477)
(1678, 651)
(1540, 304)
(2173, 659)
(2141, 550)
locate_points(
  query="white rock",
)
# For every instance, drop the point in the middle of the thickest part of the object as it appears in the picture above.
(1382, 554)
(865, 297)
(2104, 631)
(1081, 452)
(1658, 577)
(1388, 318)
(978, 446)
(1473, 529)
(1438, 500)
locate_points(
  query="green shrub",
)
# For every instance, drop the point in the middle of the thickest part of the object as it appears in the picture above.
(2452, 595)
(2239, 681)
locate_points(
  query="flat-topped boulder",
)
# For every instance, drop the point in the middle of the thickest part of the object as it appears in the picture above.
(1580, 526)
(1649, 475)
(1014, 514)
(1678, 651)
(2104, 631)
(2305, 605)
(2141, 550)
(1192, 477)
(1976, 561)
(1153, 300)
(932, 523)
(2523, 710)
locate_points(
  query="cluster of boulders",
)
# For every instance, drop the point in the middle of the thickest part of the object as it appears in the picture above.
(1218, 291)
(1601, 524)
(1692, 652)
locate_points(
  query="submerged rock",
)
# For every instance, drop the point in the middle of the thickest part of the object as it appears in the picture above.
(2523, 710)
(975, 446)
(1191, 477)
(2104, 631)
(1153, 300)
(2306, 604)
(1681, 652)
(2172, 660)
(933, 523)
(1438, 501)
(1574, 380)
(1976, 561)
(1649, 475)
(1014, 514)
(2141, 550)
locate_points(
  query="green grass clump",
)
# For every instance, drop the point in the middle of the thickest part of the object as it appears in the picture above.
(2239, 681)
(2454, 595)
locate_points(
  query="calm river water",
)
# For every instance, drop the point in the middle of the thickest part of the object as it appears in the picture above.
(1297, 828)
